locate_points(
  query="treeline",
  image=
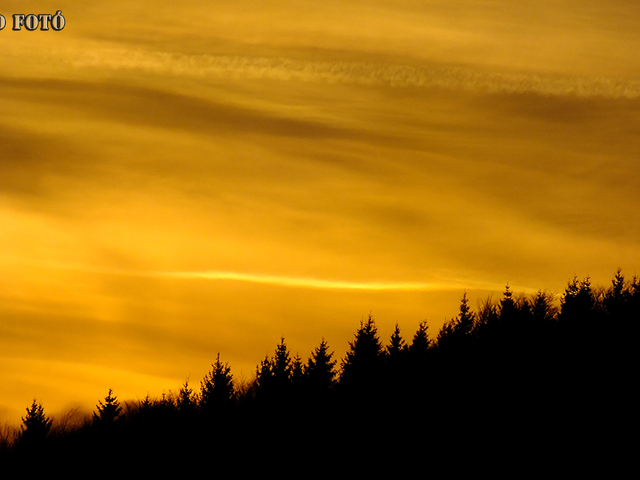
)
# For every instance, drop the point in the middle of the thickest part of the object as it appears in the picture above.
(522, 370)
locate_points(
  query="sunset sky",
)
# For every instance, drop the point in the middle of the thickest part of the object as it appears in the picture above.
(182, 179)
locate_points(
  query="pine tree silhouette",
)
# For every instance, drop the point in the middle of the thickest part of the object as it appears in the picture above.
(281, 366)
(35, 425)
(107, 411)
(396, 362)
(457, 332)
(362, 364)
(264, 377)
(508, 308)
(419, 356)
(217, 389)
(320, 371)
(297, 373)
(397, 346)
(616, 299)
(186, 402)
(466, 318)
(420, 344)
(576, 305)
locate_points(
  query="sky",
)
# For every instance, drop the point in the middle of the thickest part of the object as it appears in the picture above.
(183, 180)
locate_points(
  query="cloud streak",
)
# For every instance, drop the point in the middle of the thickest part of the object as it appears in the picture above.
(356, 73)
(443, 284)
(306, 282)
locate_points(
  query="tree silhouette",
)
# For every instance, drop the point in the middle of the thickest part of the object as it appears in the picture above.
(419, 355)
(281, 368)
(397, 346)
(507, 304)
(186, 402)
(363, 361)
(542, 308)
(464, 323)
(274, 376)
(617, 298)
(576, 305)
(487, 318)
(107, 411)
(456, 333)
(420, 344)
(216, 388)
(320, 371)
(487, 372)
(264, 377)
(35, 425)
(297, 373)
(395, 361)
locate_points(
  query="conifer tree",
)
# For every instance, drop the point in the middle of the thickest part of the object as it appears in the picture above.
(446, 334)
(419, 352)
(35, 425)
(395, 363)
(397, 346)
(297, 371)
(617, 297)
(578, 302)
(363, 362)
(216, 388)
(466, 317)
(264, 376)
(507, 306)
(186, 403)
(320, 371)
(107, 411)
(420, 344)
(281, 366)
(274, 376)
(457, 332)
(145, 410)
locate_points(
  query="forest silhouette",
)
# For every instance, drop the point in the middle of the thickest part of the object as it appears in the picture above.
(525, 380)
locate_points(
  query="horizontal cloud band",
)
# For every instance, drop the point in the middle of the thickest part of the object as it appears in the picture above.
(363, 73)
(279, 280)
(304, 282)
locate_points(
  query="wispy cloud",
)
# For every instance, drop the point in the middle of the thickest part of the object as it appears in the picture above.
(442, 282)
(354, 72)
(304, 282)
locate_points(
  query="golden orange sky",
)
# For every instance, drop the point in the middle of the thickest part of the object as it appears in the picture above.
(182, 180)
